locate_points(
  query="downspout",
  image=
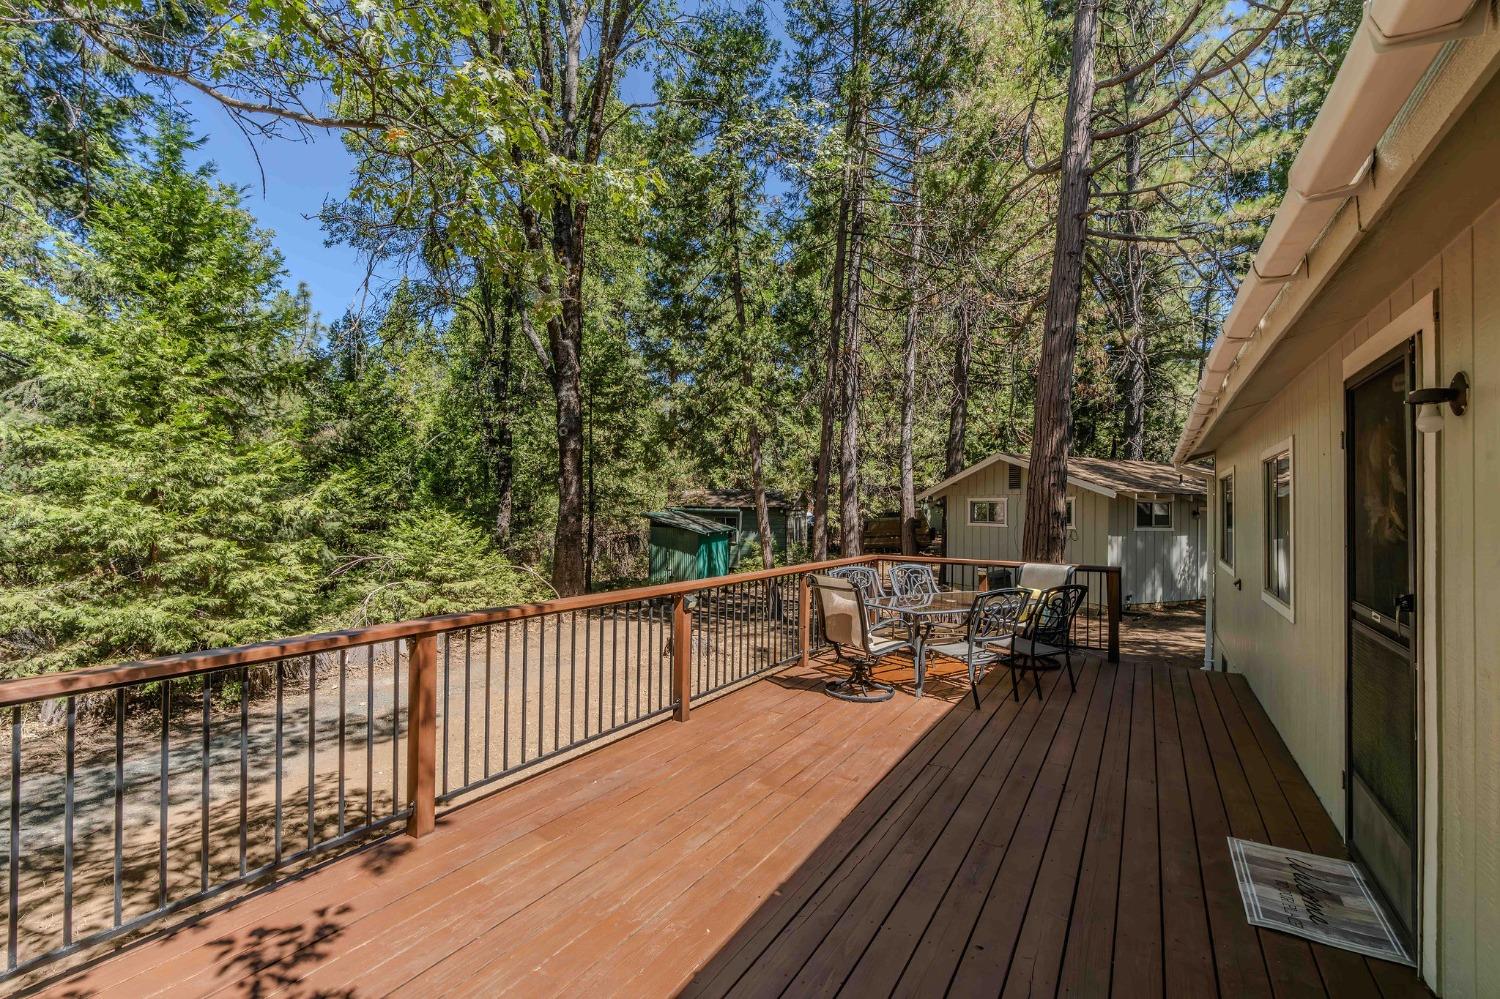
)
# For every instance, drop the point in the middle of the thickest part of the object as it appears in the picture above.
(1210, 527)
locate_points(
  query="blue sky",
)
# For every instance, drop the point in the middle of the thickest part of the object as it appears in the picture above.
(299, 177)
(288, 185)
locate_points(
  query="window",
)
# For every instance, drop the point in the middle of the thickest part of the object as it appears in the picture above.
(1153, 515)
(1013, 478)
(1276, 469)
(1226, 519)
(1070, 511)
(987, 512)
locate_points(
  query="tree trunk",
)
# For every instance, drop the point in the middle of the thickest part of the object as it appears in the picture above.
(958, 408)
(495, 378)
(909, 376)
(835, 378)
(1045, 538)
(565, 331)
(762, 508)
(1135, 306)
(851, 523)
(753, 435)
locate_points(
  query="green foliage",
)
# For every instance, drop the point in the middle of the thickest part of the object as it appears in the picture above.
(429, 561)
(151, 497)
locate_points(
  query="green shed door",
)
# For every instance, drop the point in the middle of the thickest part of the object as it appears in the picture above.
(713, 555)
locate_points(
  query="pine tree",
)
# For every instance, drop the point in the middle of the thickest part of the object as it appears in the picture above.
(151, 485)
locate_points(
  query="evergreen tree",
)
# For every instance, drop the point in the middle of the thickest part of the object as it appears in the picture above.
(151, 491)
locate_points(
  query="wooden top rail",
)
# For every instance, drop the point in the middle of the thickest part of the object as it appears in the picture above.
(953, 560)
(30, 689)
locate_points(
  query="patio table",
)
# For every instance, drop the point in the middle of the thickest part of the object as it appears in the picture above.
(923, 612)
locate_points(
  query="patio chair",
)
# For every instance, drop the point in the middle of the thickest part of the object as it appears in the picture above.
(866, 579)
(1046, 632)
(909, 579)
(1044, 575)
(988, 633)
(846, 626)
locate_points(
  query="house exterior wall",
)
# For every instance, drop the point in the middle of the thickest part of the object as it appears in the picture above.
(1297, 667)
(1156, 566)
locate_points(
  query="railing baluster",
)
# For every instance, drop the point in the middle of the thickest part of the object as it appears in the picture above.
(204, 785)
(541, 689)
(68, 786)
(244, 767)
(447, 713)
(396, 804)
(505, 699)
(161, 860)
(14, 892)
(489, 634)
(119, 871)
(573, 677)
(557, 682)
(370, 733)
(343, 723)
(312, 749)
(280, 705)
(588, 664)
(525, 683)
(468, 686)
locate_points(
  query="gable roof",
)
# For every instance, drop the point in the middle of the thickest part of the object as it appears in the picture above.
(1107, 476)
(728, 499)
(688, 522)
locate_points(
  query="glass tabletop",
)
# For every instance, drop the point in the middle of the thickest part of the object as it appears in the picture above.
(945, 602)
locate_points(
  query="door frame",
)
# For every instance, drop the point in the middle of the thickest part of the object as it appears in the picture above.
(1417, 323)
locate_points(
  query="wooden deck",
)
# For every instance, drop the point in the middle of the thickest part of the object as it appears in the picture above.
(783, 842)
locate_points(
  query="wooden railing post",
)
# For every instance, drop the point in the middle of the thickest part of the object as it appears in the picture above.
(1112, 589)
(682, 657)
(804, 616)
(421, 734)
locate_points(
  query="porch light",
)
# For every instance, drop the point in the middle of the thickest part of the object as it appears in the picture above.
(1430, 401)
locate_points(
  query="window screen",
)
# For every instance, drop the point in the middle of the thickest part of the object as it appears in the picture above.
(1226, 519)
(1278, 484)
(1153, 514)
(987, 511)
(1014, 477)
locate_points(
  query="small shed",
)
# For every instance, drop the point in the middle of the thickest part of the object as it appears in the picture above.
(684, 546)
(1147, 518)
(735, 509)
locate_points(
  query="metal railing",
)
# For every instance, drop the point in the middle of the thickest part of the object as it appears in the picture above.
(175, 781)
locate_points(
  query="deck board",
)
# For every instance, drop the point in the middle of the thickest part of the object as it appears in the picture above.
(783, 842)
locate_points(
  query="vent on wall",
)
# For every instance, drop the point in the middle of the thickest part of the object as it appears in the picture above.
(1015, 476)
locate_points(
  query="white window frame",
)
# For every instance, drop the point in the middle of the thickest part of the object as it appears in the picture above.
(1171, 504)
(1071, 522)
(1234, 537)
(999, 502)
(1286, 608)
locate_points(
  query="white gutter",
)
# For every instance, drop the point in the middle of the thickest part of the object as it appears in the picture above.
(1395, 43)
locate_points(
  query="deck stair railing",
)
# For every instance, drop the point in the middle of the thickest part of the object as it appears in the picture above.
(177, 781)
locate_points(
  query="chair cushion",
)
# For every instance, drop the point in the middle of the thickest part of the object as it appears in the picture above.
(1028, 648)
(960, 650)
(885, 648)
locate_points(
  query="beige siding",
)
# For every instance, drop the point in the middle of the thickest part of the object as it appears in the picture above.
(1087, 542)
(1297, 668)
(1158, 566)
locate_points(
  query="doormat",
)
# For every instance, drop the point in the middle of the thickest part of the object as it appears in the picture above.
(1319, 898)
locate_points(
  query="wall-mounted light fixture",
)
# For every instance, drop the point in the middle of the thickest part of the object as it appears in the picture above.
(1430, 401)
